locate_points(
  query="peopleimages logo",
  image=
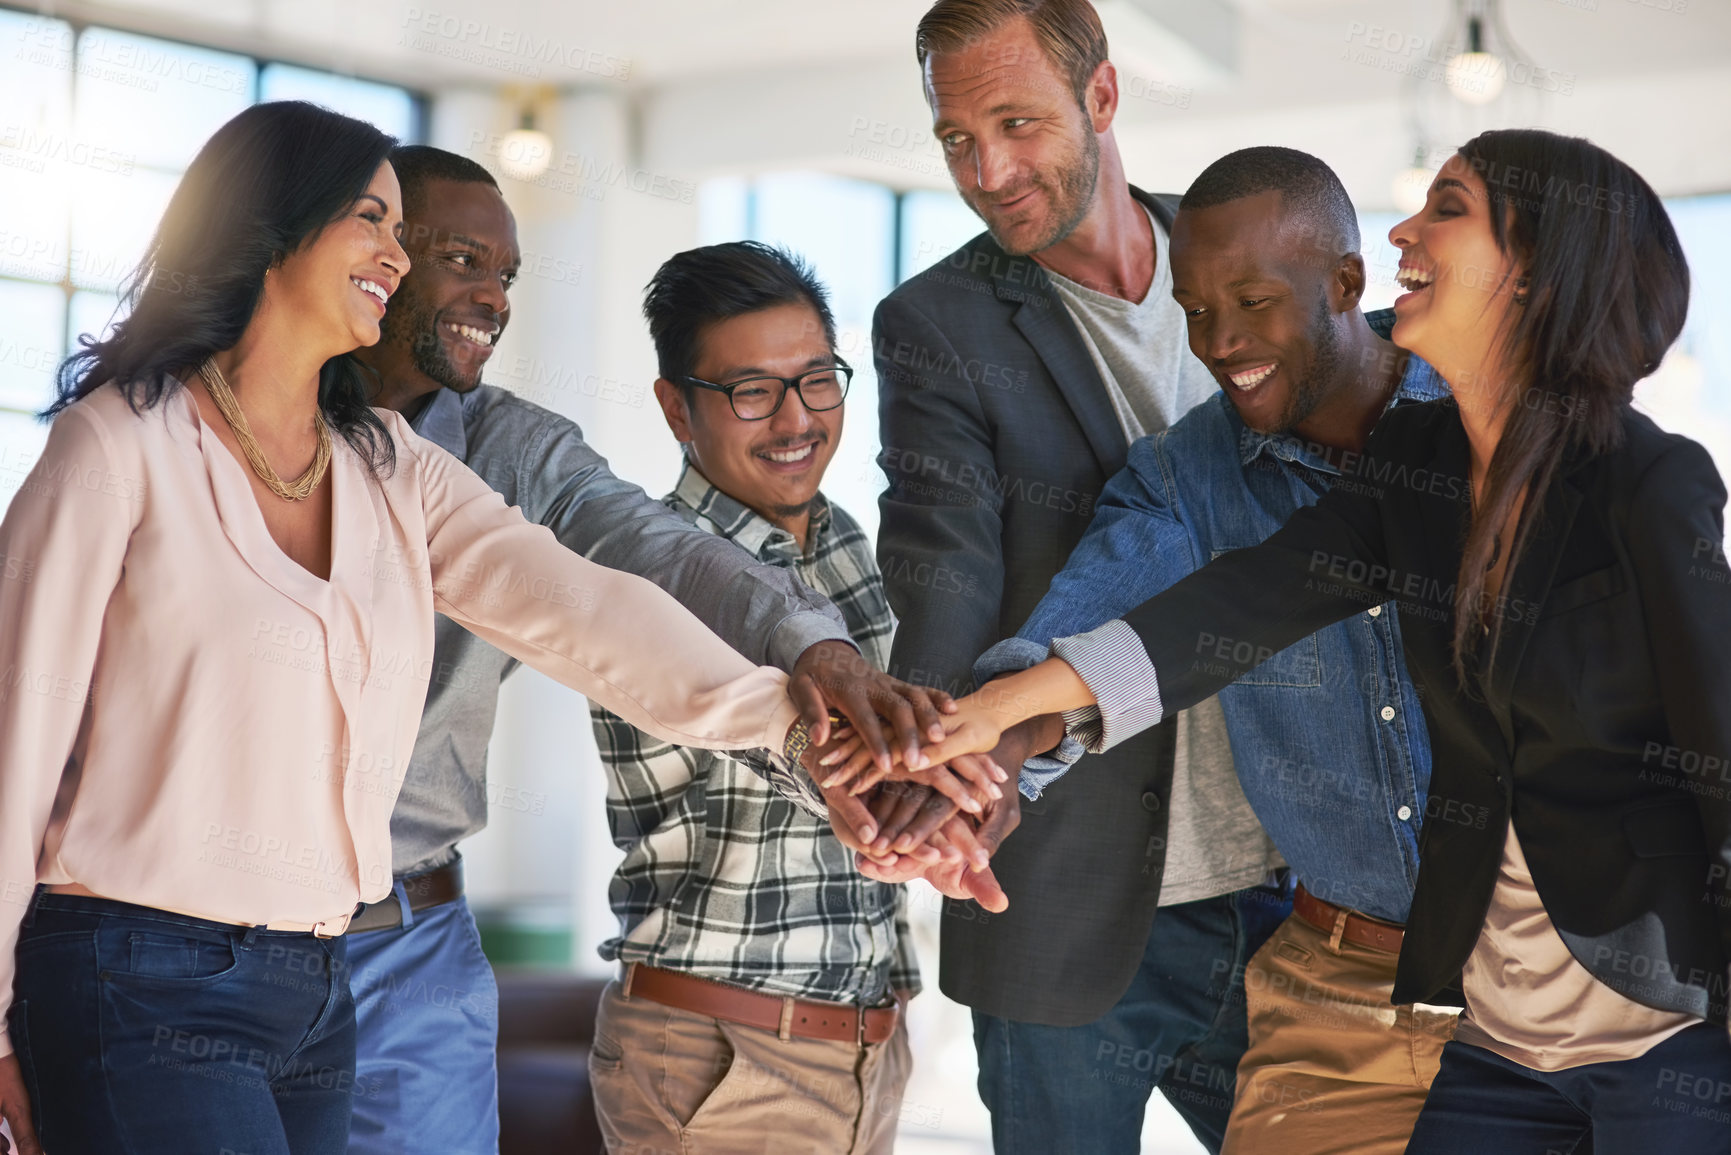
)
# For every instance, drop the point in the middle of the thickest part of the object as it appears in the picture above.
(522, 51)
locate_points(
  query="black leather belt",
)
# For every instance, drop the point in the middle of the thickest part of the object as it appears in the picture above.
(434, 888)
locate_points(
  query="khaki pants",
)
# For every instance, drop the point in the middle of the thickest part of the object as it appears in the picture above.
(1333, 1067)
(669, 1082)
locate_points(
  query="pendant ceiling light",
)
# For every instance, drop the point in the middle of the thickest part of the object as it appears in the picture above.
(525, 152)
(1471, 77)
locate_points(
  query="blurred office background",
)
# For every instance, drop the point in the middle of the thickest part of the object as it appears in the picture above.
(622, 133)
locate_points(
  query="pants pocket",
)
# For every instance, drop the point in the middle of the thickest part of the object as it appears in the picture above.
(166, 956)
(718, 1074)
(154, 958)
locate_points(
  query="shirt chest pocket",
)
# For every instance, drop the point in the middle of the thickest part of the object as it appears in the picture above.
(1298, 665)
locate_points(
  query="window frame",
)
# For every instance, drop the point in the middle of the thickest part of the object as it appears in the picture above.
(420, 113)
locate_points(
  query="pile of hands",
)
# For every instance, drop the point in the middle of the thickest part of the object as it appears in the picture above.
(918, 784)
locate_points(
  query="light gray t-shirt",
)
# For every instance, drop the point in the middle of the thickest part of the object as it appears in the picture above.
(1140, 348)
(1214, 844)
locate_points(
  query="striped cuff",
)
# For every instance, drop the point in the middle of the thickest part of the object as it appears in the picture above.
(1113, 662)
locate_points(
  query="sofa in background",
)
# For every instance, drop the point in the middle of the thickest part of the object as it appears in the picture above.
(546, 1025)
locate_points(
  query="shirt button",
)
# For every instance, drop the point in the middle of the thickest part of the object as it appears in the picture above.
(1388, 713)
(1403, 813)
(1375, 611)
(1150, 801)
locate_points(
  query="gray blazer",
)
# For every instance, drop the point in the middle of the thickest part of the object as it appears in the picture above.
(998, 436)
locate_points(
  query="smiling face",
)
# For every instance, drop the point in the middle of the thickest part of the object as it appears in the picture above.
(447, 318)
(1261, 299)
(1460, 285)
(338, 282)
(1023, 154)
(775, 465)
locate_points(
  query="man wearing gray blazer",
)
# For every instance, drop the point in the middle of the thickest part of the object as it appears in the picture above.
(1013, 376)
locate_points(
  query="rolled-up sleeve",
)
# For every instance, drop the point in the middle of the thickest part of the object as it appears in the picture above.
(1113, 662)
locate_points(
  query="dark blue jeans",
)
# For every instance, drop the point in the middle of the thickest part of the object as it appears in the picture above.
(142, 1032)
(1180, 1026)
(1675, 1098)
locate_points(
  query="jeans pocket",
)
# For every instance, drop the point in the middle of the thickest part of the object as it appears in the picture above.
(155, 959)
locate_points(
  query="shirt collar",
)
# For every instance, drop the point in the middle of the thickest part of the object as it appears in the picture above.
(441, 422)
(741, 524)
(1419, 382)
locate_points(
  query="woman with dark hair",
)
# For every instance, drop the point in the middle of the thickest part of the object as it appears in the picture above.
(213, 675)
(1566, 605)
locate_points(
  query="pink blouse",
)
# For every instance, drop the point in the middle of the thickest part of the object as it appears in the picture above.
(192, 721)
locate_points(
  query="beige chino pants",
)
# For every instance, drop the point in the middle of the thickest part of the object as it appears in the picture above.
(669, 1082)
(1333, 1067)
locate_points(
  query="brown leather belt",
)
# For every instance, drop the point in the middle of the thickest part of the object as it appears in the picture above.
(1358, 929)
(787, 1017)
(434, 888)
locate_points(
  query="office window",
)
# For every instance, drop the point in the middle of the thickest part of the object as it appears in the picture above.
(887, 237)
(934, 225)
(856, 263)
(99, 126)
(32, 317)
(153, 101)
(1691, 392)
(393, 109)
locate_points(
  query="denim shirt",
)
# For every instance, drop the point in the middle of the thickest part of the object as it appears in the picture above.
(1328, 735)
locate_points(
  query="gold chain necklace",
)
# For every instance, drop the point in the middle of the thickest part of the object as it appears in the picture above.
(231, 413)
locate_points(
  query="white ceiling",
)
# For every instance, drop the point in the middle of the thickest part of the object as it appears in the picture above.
(1289, 51)
(710, 86)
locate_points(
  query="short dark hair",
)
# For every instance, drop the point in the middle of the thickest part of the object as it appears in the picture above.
(1307, 186)
(695, 289)
(416, 164)
(1069, 31)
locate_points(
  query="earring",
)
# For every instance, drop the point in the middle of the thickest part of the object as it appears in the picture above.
(1520, 295)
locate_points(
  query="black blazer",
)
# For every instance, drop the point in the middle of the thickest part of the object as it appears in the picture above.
(1603, 730)
(998, 436)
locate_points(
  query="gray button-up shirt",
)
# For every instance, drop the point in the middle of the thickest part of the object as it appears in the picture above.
(539, 461)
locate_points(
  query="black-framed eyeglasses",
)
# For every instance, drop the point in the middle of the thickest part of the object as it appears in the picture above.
(759, 398)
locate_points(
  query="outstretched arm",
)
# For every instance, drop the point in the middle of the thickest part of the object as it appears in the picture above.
(763, 611)
(611, 636)
(1197, 637)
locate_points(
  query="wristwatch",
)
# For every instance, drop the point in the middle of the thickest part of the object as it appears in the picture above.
(798, 740)
(799, 737)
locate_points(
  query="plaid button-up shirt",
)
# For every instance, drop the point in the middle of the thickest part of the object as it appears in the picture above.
(724, 876)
